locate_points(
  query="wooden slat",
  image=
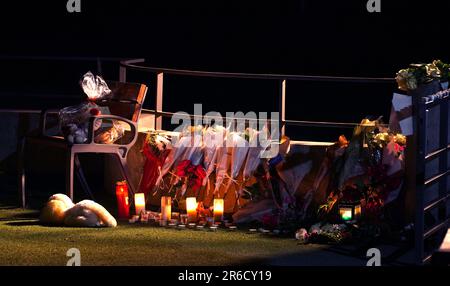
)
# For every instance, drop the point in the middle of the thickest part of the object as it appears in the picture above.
(436, 178)
(435, 154)
(436, 203)
(126, 99)
(436, 228)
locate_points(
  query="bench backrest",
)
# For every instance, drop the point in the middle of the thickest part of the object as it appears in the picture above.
(126, 99)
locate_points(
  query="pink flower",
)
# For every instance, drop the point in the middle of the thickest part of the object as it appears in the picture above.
(302, 235)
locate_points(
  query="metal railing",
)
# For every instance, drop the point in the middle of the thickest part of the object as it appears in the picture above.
(281, 78)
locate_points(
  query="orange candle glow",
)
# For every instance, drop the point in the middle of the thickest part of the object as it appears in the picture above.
(139, 203)
(191, 209)
(166, 208)
(218, 210)
(123, 207)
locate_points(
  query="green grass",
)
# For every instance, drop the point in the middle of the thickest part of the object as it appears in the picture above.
(24, 242)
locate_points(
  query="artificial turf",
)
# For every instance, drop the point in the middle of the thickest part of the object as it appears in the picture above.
(24, 242)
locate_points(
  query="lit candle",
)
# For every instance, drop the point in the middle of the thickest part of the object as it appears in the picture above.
(357, 211)
(139, 203)
(123, 207)
(191, 209)
(218, 210)
(346, 214)
(166, 208)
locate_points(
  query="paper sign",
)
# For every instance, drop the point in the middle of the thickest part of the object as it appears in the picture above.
(407, 126)
(400, 101)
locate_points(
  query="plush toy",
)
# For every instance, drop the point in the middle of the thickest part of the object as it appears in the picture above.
(60, 210)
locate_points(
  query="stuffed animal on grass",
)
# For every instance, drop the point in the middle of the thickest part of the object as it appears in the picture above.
(60, 210)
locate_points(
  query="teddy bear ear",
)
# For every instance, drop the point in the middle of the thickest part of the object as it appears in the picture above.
(63, 198)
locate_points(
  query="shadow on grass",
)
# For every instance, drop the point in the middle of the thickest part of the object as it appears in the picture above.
(21, 216)
(306, 257)
(24, 223)
(7, 207)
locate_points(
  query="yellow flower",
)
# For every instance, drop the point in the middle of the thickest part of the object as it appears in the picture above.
(400, 139)
(411, 83)
(382, 137)
(402, 78)
(433, 70)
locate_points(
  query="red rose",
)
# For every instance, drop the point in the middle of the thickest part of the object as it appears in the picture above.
(190, 169)
(195, 184)
(182, 168)
(200, 172)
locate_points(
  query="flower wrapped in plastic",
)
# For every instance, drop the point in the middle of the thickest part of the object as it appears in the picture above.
(179, 147)
(156, 149)
(74, 120)
(371, 171)
(213, 138)
(222, 165)
(193, 151)
(253, 155)
(188, 147)
(239, 148)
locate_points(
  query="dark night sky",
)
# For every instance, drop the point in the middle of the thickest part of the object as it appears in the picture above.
(298, 37)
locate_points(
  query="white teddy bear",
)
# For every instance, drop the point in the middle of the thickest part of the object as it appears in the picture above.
(60, 210)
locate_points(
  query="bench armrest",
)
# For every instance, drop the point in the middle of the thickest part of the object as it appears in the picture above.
(43, 120)
(91, 134)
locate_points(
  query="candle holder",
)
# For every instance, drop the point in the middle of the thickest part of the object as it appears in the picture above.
(349, 211)
(139, 203)
(123, 206)
(166, 208)
(218, 210)
(191, 209)
(183, 218)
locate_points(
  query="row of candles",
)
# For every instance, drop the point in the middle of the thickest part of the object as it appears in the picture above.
(166, 205)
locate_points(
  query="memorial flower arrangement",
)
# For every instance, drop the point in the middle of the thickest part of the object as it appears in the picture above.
(418, 74)
(324, 233)
(370, 171)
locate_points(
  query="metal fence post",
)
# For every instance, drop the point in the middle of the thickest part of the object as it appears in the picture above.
(282, 107)
(123, 74)
(159, 100)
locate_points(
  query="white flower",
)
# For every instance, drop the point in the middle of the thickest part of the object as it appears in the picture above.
(328, 228)
(315, 229)
(302, 235)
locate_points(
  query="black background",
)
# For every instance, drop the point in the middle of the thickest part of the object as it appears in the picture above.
(313, 37)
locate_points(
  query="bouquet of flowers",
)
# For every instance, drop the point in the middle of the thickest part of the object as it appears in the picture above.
(213, 138)
(189, 176)
(253, 156)
(156, 149)
(222, 165)
(378, 176)
(239, 150)
(178, 150)
(418, 74)
(74, 120)
(324, 233)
